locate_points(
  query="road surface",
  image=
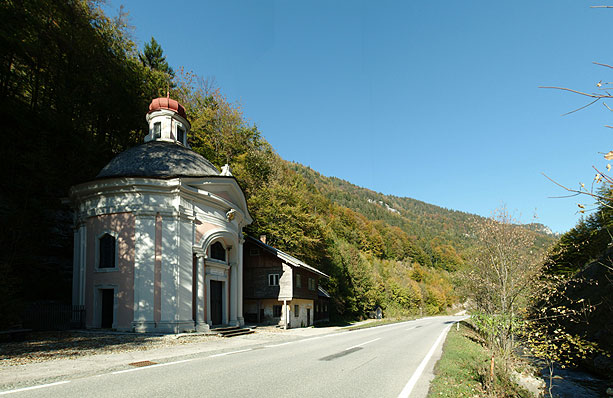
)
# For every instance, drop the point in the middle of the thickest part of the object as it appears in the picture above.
(392, 360)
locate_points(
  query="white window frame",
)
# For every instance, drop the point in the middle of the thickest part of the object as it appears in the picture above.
(273, 279)
(159, 133)
(97, 264)
(210, 252)
(180, 128)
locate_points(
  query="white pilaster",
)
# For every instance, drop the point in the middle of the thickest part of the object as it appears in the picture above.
(185, 281)
(144, 272)
(241, 320)
(169, 274)
(207, 281)
(201, 325)
(233, 294)
(82, 262)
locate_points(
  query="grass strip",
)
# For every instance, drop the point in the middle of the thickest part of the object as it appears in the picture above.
(457, 373)
(463, 370)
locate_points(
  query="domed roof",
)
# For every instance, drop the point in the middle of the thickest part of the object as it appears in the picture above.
(167, 103)
(158, 159)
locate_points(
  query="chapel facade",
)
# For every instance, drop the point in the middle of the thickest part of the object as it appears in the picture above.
(158, 242)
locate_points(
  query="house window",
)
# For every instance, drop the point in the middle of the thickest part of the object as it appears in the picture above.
(276, 311)
(311, 284)
(218, 252)
(157, 130)
(298, 281)
(296, 310)
(273, 279)
(180, 134)
(106, 251)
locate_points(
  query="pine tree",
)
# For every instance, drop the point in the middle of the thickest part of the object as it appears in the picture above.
(154, 58)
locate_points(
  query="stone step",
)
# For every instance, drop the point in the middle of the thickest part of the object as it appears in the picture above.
(239, 332)
(225, 329)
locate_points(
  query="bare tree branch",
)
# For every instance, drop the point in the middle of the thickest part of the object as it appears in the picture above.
(603, 200)
(563, 196)
(598, 96)
(583, 107)
(605, 65)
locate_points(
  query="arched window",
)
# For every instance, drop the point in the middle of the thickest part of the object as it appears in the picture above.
(107, 251)
(218, 252)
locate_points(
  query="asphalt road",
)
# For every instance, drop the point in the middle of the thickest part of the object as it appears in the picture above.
(387, 361)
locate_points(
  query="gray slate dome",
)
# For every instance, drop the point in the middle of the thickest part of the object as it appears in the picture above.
(158, 159)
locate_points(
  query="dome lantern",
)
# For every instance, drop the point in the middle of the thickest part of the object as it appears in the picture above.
(167, 121)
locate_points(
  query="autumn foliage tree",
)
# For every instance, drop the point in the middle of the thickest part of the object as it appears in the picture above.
(502, 271)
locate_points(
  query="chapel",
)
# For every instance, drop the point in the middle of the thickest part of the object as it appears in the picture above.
(158, 242)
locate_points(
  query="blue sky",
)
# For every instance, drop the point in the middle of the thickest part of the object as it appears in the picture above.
(438, 101)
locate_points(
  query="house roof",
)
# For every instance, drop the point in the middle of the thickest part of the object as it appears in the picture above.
(290, 260)
(158, 159)
(321, 292)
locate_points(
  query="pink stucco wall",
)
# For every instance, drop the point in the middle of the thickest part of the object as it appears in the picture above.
(122, 224)
(202, 228)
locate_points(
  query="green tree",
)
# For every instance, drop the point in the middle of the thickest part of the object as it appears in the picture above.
(153, 57)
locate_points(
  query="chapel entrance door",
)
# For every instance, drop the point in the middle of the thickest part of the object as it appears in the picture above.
(216, 302)
(106, 308)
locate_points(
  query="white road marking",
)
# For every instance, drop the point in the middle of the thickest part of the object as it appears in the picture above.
(362, 344)
(229, 353)
(157, 365)
(406, 391)
(34, 387)
(278, 345)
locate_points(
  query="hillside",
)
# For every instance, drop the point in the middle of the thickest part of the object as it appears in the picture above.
(433, 226)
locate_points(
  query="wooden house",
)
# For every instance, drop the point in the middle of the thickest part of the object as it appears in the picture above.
(280, 289)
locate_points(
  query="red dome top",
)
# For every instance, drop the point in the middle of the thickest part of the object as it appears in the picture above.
(167, 103)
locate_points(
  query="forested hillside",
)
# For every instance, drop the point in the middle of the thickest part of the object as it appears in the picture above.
(74, 90)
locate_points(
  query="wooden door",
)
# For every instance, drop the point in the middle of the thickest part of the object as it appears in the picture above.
(308, 317)
(216, 302)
